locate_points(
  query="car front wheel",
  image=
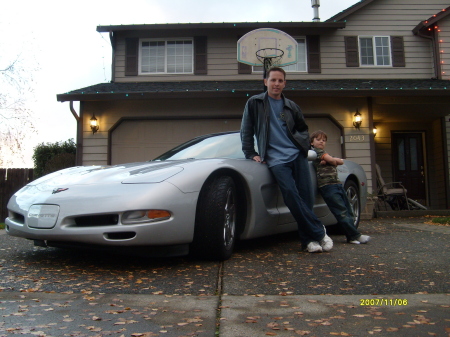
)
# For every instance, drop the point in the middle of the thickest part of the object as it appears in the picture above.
(215, 227)
(353, 196)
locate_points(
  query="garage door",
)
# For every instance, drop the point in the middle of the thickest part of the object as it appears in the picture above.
(333, 132)
(141, 140)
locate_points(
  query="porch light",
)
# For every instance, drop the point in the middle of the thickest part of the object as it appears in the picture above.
(357, 119)
(374, 131)
(94, 124)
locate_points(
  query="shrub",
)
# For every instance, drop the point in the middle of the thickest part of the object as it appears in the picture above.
(51, 157)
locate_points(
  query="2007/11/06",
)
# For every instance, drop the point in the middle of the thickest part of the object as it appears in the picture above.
(383, 301)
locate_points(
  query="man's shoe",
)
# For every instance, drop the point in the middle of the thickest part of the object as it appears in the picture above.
(326, 243)
(314, 247)
(361, 239)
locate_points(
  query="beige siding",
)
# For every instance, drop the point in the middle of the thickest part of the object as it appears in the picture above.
(382, 17)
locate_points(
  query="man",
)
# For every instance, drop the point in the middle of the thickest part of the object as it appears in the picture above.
(283, 143)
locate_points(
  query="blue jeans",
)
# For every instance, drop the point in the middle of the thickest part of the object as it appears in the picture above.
(337, 201)
(295, 184)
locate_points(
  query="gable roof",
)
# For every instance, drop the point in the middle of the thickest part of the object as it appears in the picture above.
(346, 12)
(424, 26)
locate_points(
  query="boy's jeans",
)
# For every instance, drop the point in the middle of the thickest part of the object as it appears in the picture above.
(337, 201)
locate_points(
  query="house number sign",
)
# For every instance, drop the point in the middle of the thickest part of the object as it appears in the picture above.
(357, 138)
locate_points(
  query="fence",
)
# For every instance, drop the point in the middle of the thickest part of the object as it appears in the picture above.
(11, 180)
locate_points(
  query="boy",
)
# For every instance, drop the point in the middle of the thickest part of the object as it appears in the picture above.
(332, 190)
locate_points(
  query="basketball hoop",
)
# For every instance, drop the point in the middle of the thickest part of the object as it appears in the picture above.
(270, 57)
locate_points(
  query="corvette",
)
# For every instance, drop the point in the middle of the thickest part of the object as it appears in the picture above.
(199, 198)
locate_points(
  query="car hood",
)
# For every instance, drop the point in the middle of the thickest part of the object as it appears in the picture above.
(132, 173)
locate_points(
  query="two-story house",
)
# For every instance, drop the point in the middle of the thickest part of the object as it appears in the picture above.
(384, 59)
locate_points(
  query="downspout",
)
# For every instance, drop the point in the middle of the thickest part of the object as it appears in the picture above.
(79, 155)
(112, 38)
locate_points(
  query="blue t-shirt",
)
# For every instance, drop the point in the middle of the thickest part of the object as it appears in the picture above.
(280, 148)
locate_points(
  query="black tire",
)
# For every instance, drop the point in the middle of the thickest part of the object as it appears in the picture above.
(215, 224)
(353, 196)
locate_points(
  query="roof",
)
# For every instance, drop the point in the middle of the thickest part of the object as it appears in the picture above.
(346, 12)
(424, 26)
(330, 88)
(317, 26)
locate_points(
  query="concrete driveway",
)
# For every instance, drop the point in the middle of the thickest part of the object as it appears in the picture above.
(398, 283)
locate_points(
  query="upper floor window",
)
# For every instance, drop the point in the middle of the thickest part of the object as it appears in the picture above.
(172, 56)
(364, 51)
(301, 65)
(375, 51)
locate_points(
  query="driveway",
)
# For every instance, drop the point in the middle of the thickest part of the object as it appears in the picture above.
(398, 283)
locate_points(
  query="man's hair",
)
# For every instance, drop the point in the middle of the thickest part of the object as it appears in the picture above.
(318, 134)
(281, 70)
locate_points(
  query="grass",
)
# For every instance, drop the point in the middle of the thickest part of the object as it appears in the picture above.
(2, 225)
(441, 220)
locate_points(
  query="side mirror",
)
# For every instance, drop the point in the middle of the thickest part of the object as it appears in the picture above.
(312, 155)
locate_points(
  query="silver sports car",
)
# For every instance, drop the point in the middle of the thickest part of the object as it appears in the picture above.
(199, 198)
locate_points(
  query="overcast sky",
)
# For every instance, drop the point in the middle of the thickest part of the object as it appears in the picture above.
(61, 38)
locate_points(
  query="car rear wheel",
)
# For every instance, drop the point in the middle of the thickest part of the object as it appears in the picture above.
(353, 196)
(215, 227)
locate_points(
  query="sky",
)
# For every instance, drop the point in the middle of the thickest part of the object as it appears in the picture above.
(59, 40)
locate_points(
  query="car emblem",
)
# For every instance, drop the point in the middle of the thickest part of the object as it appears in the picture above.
(57, 190)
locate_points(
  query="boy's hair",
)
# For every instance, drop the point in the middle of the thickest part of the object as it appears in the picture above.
(318, 134)
(281, 70)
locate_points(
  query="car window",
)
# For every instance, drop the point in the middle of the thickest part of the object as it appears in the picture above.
(214, 146)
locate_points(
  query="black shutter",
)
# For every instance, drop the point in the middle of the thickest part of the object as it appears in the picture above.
(398, 51)
(313, 47)
(200, 55)
(351, 51)
(131, 56)
(244, 68)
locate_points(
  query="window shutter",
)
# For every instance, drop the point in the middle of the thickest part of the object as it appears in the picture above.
(244, 68)
(131, 56)
(200, 55)
(313, 47)
(351, 51)
(398, 51)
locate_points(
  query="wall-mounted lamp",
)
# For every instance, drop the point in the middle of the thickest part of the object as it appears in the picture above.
(94, 124)
(374, 130)
(357, 119)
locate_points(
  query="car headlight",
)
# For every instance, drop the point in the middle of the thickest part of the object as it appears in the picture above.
(137, 217)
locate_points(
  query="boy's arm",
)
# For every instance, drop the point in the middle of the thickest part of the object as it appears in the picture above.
(332, 160)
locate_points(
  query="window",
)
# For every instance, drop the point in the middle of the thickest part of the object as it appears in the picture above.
(301, 58)
(300, 66)
(375, 51)
(166, 56)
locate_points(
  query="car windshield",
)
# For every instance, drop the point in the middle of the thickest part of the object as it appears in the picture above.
(210, 146)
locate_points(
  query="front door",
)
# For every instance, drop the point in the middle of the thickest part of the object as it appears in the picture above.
(409, 163)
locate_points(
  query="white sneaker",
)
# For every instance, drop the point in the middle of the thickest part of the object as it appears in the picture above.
(326, 243)
(361, 239)
(314, 247)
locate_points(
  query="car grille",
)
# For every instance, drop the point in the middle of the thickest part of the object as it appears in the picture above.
(97, 220)
(16, 217)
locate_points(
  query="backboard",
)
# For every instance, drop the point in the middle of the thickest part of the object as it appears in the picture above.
(269, 39)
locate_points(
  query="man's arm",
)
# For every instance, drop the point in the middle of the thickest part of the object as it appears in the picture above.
(247, 134)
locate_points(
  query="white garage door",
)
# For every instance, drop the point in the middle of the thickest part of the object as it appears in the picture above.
(141, 140)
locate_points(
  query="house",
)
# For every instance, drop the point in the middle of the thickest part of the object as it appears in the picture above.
(386, 60)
